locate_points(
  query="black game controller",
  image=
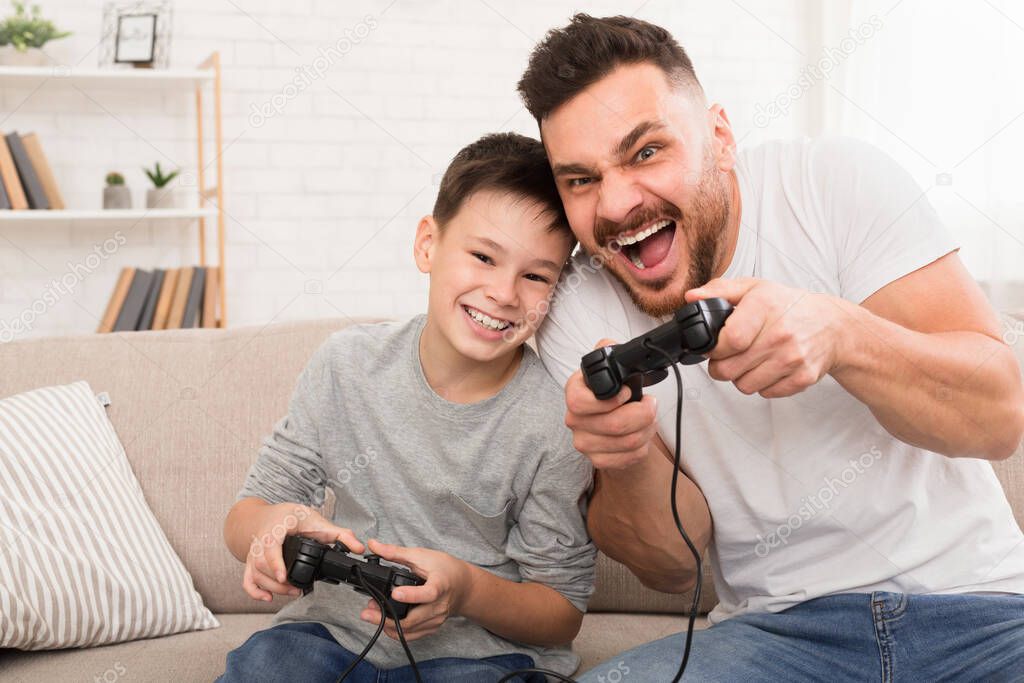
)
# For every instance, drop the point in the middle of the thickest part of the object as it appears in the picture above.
(692, 332)
(309, 560)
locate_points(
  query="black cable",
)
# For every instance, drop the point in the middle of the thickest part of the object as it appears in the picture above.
(373, 641)
(675, 510)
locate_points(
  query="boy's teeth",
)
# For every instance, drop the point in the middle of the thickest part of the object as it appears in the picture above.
(644, 234)
(486, 320)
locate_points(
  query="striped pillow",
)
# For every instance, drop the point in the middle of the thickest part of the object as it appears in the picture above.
(83, 561)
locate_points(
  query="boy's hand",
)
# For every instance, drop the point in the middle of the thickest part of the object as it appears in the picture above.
(265, 572)
(448, 580)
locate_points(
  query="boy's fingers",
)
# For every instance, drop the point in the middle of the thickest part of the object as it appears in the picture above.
(395, 553)
(415, 595)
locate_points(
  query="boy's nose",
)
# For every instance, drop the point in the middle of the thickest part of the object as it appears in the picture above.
(502, 291)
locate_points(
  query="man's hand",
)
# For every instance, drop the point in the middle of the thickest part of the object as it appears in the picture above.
(448, 581)
(265, 573)
(778, 341)
(614, 434)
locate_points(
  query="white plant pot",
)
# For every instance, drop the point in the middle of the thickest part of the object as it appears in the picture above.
(164, 198)
(9, 56)
(117, 197)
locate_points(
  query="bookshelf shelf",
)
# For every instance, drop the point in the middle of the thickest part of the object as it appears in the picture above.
(61, 74)
(105, 216)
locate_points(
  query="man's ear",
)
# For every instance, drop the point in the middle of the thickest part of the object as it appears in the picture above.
(423, 247)
(723, 142)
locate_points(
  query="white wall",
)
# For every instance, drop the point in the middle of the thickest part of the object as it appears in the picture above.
(323, 198)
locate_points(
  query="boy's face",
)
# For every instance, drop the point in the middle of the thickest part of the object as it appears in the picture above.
(492, 271)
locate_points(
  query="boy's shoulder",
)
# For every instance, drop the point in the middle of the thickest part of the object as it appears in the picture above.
(362, 341)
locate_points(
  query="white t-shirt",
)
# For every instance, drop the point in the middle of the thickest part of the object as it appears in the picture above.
(809, 494)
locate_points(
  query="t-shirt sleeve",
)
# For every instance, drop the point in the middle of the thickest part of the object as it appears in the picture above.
(550, 542)
(884, 226)
(289, 467)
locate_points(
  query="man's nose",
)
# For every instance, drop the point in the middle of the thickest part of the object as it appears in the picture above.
(617, 196)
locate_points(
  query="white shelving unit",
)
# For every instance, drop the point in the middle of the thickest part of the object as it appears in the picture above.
(207, 75)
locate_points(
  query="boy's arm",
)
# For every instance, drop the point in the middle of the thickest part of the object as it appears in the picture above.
(524, 612)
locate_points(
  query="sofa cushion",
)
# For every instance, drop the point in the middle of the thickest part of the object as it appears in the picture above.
(83, 562)
(200, 656)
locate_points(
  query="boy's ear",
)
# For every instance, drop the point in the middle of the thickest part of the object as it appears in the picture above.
(423, 247)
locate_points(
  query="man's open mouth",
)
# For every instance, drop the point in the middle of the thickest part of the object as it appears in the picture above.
(648, 247)
(486, 321)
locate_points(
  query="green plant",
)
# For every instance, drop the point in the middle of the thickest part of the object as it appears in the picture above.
(158, 177)
(24, 30)
(114, 179)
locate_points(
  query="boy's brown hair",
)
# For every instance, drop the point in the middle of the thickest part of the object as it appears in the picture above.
(572, 58)
(501, 162)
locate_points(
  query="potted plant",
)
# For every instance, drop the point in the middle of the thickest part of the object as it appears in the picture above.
(161, 196)
(23, 33)
(116, 195)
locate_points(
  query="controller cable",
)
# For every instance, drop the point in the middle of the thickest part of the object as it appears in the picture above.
(387, 611)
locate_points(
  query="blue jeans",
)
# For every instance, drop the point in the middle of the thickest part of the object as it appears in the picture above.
(307, 652)
(888, 637)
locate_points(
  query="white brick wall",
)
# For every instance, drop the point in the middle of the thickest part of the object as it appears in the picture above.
(323, 198)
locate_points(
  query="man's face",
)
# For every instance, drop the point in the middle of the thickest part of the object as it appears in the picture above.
(644, 172)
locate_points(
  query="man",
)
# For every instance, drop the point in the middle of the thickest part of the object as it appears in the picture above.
(836, 470)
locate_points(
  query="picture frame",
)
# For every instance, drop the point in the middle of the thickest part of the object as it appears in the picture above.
(136, 39)
(136, 34)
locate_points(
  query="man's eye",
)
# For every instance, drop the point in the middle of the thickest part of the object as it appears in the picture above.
(645, 153)
(484, 258)
(537, 278)
(579, 182)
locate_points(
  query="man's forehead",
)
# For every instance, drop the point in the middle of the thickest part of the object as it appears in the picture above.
(607, 111)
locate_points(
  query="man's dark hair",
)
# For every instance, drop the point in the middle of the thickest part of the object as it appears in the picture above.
(572, 58)
(501, 162)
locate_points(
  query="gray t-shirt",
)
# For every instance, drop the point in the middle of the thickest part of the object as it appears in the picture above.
(496, 483)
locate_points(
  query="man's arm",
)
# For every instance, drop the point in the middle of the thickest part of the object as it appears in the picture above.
(630, 520)
(923, 353)
(630, 517)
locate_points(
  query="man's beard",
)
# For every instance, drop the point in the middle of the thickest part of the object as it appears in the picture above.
(704, 228)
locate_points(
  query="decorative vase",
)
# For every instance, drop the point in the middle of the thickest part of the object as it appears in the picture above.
(117, 197)
(10, 56)
(163, 198)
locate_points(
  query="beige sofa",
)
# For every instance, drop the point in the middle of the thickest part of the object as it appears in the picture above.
(191, 407)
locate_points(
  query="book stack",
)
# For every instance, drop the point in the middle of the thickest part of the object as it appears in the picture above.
(162, 299)
(26, 180)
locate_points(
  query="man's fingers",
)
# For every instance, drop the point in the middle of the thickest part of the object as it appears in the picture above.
(740, 332)
(627, 419)
(732, 290)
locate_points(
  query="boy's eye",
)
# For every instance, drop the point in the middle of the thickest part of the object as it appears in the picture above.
(484, 258)
(645, 153)
(537, 278)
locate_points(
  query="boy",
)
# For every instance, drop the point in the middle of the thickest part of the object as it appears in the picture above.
(443, 436)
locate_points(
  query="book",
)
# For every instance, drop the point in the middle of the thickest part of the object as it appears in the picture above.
(195, 296)
(149, 310)
(5, 202)
(9, 178)
(27, 173)
(116, 299)
(180, 298)
(131, 311)
(163, 304)
(210, 297)
(43, 170)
